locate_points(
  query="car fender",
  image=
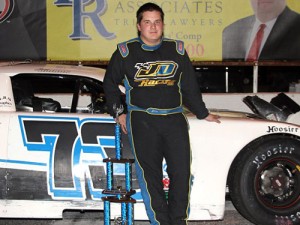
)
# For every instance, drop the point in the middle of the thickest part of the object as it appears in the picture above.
(7, 103)
(214, 147)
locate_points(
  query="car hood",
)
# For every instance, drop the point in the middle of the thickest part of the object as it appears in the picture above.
(229, 113)
(235, 114)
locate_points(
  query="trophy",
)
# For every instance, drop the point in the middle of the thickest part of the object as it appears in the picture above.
(119, 194)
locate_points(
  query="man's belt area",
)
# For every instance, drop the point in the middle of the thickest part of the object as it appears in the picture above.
(155, 111)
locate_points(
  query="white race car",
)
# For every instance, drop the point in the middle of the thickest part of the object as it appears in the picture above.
(55, 134)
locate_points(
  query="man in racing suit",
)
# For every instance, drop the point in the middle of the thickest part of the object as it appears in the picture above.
(159, 79)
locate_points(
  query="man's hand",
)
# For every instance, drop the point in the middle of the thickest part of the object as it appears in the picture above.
(122, 122)
(213, 118)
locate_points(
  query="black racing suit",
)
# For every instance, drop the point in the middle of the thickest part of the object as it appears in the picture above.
(159, 80)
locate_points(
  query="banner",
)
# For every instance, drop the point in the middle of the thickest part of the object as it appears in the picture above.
(89, 30)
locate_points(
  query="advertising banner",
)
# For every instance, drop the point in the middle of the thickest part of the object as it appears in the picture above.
(89, 30)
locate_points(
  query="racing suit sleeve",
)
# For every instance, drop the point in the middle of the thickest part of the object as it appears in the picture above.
(112, 79)
(191, 95)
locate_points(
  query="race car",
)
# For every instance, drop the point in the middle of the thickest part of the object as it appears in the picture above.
(56, 134)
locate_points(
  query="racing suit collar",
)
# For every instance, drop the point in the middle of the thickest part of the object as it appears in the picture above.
(148, 47)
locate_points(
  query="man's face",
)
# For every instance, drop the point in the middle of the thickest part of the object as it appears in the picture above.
(151, 27)
(269, 9)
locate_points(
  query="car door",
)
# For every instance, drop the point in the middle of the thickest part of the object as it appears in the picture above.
(57, 155)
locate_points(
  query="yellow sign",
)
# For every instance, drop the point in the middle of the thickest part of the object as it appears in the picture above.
(86, 30)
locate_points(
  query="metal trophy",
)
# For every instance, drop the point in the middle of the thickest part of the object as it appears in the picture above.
(119, 194)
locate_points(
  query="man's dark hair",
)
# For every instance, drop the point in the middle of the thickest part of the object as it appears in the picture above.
(148, 7)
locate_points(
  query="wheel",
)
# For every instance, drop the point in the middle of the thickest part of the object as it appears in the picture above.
(264, 181)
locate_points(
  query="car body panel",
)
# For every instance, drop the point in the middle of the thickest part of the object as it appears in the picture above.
(53, 161)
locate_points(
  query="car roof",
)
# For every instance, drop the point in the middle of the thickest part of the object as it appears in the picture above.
(12, 69)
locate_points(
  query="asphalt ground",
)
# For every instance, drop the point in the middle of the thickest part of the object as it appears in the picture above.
(232, 217)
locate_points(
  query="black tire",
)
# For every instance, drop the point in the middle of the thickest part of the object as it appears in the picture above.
(264, 181)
